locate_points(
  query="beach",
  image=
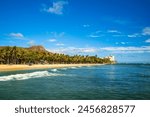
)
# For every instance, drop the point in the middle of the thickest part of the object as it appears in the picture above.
(40, 66)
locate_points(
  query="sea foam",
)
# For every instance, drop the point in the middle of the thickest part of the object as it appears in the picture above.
(25, 76)
(73, 67)
(54, 70)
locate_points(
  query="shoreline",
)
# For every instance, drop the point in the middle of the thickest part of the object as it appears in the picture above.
(4, 68)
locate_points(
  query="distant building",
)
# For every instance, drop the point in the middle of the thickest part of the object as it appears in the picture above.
(111, 58)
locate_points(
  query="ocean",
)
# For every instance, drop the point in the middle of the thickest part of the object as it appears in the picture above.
(105, 82)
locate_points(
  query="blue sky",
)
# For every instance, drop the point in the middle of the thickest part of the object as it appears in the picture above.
(86, 27)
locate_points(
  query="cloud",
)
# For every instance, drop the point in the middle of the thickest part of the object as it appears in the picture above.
(86, 25)
(123, 43)
(131, 49)
(56, 8)
(134, 35)
(86, 50)
(31, 43)
(16, 35)
(99, 33)
(146, 31)
(94, 36)
(74, 50)
(113, 31)
(60, 44)
(52, 40)
(90, 50)
(147, 41)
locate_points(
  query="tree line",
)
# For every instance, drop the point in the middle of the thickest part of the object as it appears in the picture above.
(19, 55)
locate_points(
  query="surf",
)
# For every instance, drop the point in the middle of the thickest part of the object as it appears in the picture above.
(25, 76)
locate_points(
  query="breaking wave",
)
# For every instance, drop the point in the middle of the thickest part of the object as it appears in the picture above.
(54, 70)
(25, 76)
(73, 67)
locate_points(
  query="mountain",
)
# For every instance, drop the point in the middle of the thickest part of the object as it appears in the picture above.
(37, 48)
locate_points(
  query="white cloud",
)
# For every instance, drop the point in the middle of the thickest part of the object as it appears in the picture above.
(123, 43)
(131, 36)
(99, 33)
(52, 40)
(146, 31)
(86, 50)
(147, 41)
(86, 25)
(113, 31)
(94, 36)
(74, 50)
(127, 49)
(57, 7)
(134, 35)
(89, 50)
(16, 35)
(60, 44)
(31, 43)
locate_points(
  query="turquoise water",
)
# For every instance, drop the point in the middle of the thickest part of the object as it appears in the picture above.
(120, 81)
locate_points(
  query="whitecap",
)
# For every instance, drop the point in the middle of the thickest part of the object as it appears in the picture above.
(54, 70)
(25, 76)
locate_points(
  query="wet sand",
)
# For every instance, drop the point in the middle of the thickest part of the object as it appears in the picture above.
(39, 66)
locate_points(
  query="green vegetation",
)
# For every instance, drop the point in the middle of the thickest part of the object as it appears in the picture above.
(38, 55)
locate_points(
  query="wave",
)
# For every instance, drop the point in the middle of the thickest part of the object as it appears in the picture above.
(73, 67)
(28, 76)
(54, 70)
(64, 68)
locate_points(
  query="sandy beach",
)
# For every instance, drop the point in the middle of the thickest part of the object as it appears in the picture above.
(27, 67)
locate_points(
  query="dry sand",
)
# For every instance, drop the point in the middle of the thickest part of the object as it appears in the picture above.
(27, 67)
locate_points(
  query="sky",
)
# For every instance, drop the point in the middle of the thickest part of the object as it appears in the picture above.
(86, 27)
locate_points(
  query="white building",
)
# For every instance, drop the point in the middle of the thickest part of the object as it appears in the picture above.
(111, 58)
